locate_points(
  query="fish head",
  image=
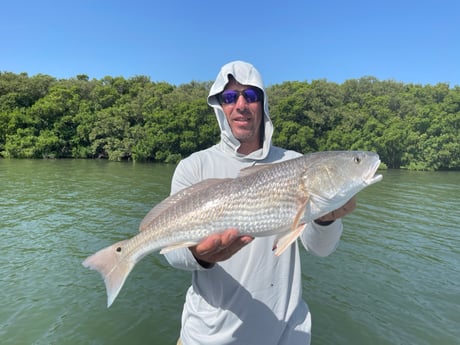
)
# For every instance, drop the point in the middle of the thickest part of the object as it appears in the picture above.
(332, 178)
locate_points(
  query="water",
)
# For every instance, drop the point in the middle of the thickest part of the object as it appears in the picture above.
(395, 278)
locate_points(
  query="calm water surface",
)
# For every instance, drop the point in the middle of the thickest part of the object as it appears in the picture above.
(395, 278)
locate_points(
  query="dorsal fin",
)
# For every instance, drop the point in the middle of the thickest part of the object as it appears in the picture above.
(253, 169)
(173, 199)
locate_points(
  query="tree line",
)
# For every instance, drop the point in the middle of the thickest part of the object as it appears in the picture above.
(410, 126)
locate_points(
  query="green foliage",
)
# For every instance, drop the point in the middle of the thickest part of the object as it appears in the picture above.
(410, 126)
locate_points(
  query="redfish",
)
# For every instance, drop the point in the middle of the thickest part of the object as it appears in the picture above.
(263, 200)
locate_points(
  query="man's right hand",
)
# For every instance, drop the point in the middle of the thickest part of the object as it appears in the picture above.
(219, 247)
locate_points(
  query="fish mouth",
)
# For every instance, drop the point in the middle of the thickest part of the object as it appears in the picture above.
(371, 177)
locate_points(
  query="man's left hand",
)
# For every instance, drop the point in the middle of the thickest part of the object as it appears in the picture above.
(340, 212)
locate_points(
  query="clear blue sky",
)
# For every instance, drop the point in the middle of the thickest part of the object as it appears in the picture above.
(412, 41)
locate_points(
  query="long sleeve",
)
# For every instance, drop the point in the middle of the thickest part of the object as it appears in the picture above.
(183, 258)
(322, 240)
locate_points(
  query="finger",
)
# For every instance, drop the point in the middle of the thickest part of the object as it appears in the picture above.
(239, 243)
(227, 252)
(228, 237)
(349, 207)
(215, 242)
(346, 209)
(208, 245)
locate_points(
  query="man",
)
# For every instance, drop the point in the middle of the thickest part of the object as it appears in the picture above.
(241, 292)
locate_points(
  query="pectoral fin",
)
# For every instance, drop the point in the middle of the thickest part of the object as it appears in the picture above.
(284, 242)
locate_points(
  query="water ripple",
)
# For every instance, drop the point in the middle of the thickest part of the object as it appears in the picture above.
(393, 280)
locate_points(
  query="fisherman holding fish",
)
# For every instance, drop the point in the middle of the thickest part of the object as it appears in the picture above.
(233, 218)
(241, 292)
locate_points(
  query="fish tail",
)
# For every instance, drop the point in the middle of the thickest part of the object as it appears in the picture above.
(113, 265)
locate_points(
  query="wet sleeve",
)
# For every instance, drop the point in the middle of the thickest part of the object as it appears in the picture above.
(322, 240)
(182, 258)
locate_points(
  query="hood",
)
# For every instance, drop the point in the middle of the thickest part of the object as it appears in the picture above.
(245, 74)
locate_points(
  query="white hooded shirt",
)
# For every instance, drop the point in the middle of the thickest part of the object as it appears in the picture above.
(254, 297)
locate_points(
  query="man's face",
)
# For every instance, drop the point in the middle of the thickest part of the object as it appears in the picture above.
(244, 119)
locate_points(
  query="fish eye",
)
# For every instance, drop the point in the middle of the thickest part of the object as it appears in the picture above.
(357, 159)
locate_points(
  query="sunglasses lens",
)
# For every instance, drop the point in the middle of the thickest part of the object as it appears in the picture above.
(231, 96)
(251, 95)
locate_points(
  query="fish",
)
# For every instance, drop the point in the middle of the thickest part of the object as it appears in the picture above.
(263, 200)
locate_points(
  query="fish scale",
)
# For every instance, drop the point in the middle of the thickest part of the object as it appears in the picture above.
(227, 210)
(264, 200)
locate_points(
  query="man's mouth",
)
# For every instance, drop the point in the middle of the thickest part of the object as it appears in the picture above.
(242, 119)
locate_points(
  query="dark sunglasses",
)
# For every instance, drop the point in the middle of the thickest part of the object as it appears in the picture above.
(231, 96)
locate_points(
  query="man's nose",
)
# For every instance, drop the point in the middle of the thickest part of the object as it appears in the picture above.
(241, 101)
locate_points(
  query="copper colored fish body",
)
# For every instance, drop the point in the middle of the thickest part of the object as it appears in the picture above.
(263, 200)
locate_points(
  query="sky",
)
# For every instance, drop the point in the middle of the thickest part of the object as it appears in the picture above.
(409, 41)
